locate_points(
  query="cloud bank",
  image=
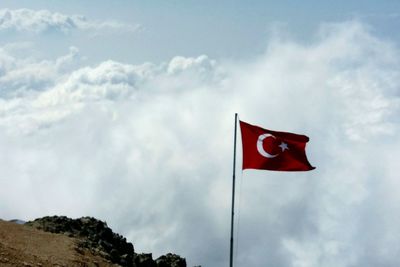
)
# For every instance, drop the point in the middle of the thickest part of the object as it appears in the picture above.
(148, 148)
(40, 21)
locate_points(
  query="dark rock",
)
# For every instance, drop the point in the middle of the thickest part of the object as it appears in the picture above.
(145, 260)
(171, 260)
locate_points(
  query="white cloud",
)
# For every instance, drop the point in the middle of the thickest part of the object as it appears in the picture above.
(22, 75)
(149, 149)
(39, 21)
(200, 65)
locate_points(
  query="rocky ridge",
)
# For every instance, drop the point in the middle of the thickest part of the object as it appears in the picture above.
(94, 235)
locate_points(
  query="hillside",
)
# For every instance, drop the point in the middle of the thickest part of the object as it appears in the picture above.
(61, 241)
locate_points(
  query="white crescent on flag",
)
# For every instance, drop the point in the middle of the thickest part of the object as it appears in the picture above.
(260, 146)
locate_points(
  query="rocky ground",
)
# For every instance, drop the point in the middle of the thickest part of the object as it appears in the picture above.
(61, 241)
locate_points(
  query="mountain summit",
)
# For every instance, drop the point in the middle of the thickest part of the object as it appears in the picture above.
(62, 241)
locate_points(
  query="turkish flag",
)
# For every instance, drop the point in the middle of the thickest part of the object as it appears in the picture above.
(270, 150)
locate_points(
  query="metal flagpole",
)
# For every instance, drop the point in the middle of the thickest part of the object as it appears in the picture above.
(233, 192)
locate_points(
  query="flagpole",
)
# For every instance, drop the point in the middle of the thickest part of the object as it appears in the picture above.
(233, 193)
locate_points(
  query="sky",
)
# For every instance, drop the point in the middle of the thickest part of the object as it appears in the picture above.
(124, 111)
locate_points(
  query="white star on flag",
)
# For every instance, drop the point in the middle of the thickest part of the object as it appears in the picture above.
(284, 146)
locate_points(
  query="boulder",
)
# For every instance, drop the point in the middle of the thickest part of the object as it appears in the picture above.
(171, 260)
(145, 260)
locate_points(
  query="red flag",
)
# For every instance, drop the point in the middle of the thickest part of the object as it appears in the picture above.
(270, 150)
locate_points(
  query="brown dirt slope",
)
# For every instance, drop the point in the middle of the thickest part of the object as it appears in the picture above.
(25, 246)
